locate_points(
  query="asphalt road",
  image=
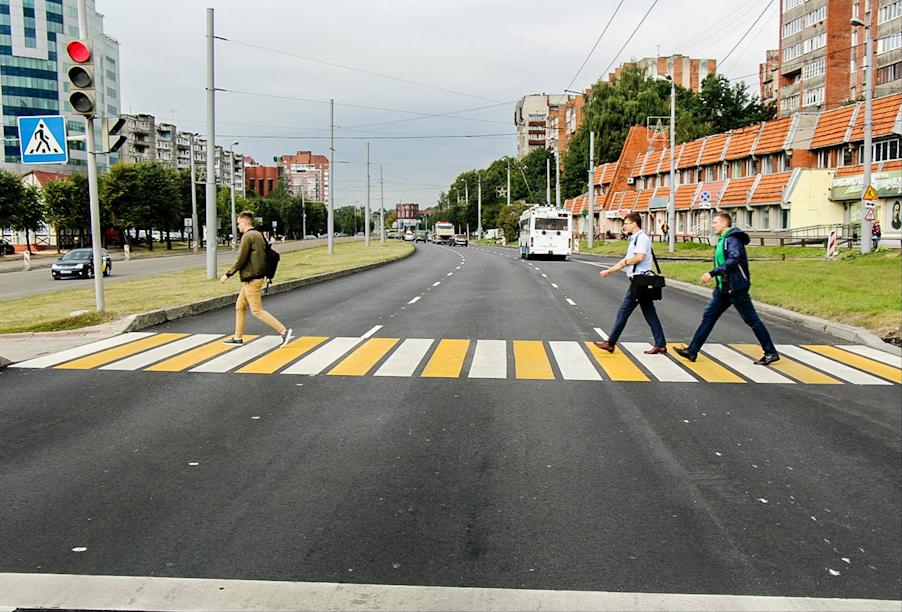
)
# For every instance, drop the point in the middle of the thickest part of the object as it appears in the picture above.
(655, 487)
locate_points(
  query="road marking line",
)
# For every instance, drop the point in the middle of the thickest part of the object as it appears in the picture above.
(544, 275)
(323, 357)
(447, 360)
(616, 365)
(404, 361)
(660, 366)
(489, 359)
(862, 363)
(744, 365)
(372, 331)
(601, 333)
(450, 274)
(573, 362)
(706, 369)
(113, 354)
(555, 286)
(531, 361)
(872, 353)
(589, 263)
(136, 362)
(80, 351)
(437, 284)
(831, 367)
(364, 358)
(182, 362)
(789, 367)
(240, 355)
(282, 356)
(571, 302)
(414, 300)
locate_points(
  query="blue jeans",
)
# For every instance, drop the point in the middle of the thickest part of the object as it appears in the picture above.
(648, 310)
(718, 305)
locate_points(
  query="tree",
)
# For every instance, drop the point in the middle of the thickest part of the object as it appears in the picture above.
(508, 219)
(29, 215)
(67, 206)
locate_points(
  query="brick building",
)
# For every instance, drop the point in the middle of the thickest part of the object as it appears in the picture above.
(260, 179)
(687, 72)
(407, 210)
(308, 173)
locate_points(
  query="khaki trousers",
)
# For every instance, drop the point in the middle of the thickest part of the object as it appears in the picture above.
(250, 296)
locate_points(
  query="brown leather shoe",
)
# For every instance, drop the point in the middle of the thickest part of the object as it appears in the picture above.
(605, 346)
(656, 350)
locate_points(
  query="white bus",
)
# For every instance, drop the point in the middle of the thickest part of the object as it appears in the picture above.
(545, 230)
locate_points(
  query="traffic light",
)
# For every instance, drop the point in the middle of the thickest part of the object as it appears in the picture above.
(81, 78)
(113, 139)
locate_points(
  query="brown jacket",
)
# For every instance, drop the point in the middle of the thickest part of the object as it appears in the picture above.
(251, 262)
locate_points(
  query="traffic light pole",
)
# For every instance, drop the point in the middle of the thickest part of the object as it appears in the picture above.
(93, 197)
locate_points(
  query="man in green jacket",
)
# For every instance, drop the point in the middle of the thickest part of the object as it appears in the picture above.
(251, 268)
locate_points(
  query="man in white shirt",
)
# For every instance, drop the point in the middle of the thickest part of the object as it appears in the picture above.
(638, 260)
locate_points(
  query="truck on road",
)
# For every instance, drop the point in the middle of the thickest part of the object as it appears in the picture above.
(444, 232)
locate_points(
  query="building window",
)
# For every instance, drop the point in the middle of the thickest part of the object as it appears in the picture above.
(814, 97)
(889, 43)
(790, 53)
(886, 150)
(846, 158)
(791, 4)
(890, 11)
(814, 43)
(890, 73)
(816, 15)
(736, 169)
(792, 27)
(815, 68)
(790, 103)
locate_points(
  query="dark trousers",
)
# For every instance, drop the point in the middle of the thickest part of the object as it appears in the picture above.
(648, 310)
(718, 305)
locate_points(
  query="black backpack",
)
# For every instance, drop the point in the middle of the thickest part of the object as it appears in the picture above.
(272, 260)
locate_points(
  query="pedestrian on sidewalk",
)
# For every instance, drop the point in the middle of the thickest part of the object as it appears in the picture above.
(731, 272)
(638, 260)
(875, 234)
(251, 268)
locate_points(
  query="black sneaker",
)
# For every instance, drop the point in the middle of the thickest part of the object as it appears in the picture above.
(768, 359)
(233, 341)
(685, 354)
(287, 335)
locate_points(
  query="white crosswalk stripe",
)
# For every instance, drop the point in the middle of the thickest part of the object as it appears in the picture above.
(834, 368)
(53, 359)
(322, 358)
(404, 361)
(872, 353)
(661, 366)
(489, 359)
(240, 356)
(141, 360)
(742, 364)
(572, 361)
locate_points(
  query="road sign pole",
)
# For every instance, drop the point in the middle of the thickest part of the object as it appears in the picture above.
(591, 236)
(210, 199)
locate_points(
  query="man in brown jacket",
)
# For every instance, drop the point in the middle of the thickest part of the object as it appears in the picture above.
(251, 268)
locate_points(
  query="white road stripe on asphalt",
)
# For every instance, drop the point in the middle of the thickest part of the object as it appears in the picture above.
(404, 361)
(239, 356)
(437, 284)
(829, 366)
(322, 358)
(489, 359)
(601, 333)
(450, 274)
(571, 302)
(372, 331)
(555, 286)
(589, 263)
(544, 275)
(744, 365)
(661, 366)
(573, 361)
(876, 355)
(414, 300)
(159, 353)
(81, 351)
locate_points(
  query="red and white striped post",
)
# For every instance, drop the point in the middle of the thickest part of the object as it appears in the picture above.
(831, 245)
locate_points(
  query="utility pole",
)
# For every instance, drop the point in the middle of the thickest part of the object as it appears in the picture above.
(303, 215)
(548, 181)
(211, 154)
(591, 237)
(866, 228)
(381, 207)
(508, 181)
(671, 202)
(366, 216)
(195, 228)
(479, 207)
(232, 194)
(330, 217)
(93, 196)
(557, 176)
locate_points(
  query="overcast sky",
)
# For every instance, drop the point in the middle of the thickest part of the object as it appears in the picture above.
(279, 67)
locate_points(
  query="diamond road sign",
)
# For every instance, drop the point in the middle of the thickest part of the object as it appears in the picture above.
(42, 139)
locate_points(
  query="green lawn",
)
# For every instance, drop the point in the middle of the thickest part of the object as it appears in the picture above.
(50, 311)
(702, 251)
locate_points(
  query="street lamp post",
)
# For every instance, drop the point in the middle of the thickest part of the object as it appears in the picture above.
(868, 129)
(194, 226)
(232, 194)
(671, 201)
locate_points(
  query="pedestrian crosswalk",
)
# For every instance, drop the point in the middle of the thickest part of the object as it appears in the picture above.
(451, 358)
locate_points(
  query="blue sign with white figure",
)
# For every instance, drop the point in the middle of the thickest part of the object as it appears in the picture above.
(42, 139)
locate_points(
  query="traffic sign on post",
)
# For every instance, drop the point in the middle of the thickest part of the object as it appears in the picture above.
(870, 194)
(870, 215)
(42, 139)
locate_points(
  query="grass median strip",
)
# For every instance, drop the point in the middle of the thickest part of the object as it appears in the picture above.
(50, 311)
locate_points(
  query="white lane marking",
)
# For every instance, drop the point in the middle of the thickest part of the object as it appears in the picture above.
(555, 286)
(238, 356)
(450, 274)
(372, 331)
(80, 351)
(573, 361)
(321, 358)
(457, 268)
(661, 366)
(404, 361)
(829, 366)
(437, 284)
(489, 359)
(875, 354)
(159, 353)
(601, 333)
(544, 275)
(414, 300)
(571, 302)
(744, 365)
(589, 263)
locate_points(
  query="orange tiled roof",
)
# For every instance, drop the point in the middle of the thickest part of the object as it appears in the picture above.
(770, 188)
(714, 189)
(742, 141)
(651, 162)
(637, 166)
(629, 199)
(773, 136)
(684, 195)
(690, 153)
(662, 192)
(42, 178)
(608, 176)
(616, 199)
(883, 115)
(642, 199)
(886, 166)
(831, 127)
(737, 191)
(714, 147)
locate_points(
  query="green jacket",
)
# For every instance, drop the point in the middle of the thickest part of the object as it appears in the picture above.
(251, 262)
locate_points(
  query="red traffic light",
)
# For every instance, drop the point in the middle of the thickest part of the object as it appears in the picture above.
(79, 52)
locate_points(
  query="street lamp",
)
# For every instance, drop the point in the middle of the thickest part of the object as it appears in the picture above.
(232, 189)
(868, 128)
(671, 201)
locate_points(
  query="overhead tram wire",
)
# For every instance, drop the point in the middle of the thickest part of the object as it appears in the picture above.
(592, 50)
(410, 137)
(746, 32)
(714, 30)
(360, 70)
(647, 13)
(751, 40)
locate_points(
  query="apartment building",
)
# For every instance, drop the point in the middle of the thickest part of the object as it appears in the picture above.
(687, 72)
(530, 117)
(564, 121)
(260, 179)
(406, 210)
(308, 173)
(769, 77)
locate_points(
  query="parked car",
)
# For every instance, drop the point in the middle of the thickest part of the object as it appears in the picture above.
(79, 262)
(420, 236)
(460, 240)
(6, 247)
(391, 234)
(408, 236)
(309, 237)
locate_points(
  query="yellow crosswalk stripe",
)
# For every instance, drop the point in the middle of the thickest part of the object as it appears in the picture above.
(531, 361)
(862, 363)
(195, 356)
(282, 356)
(117, 353)
(706, 368)
(363, 358)
(789, 367)
(447, 360)
(616, 365)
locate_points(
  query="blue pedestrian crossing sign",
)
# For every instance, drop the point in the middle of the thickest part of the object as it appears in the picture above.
(42, 139)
